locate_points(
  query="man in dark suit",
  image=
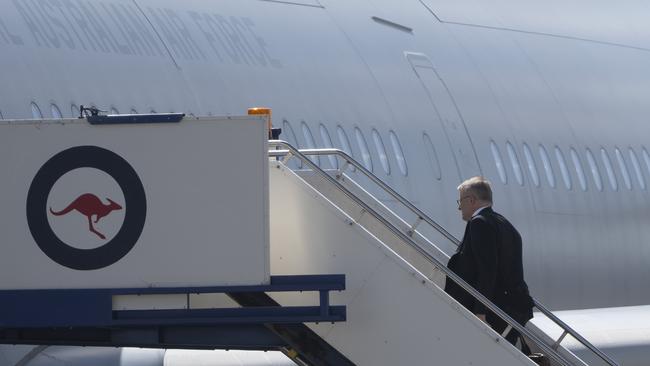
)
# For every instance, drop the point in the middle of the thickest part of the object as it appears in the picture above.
(489, 259)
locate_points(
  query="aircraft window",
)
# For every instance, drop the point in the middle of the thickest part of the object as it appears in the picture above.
(594, 170)
(578, 165)
(546, 161)
(381, 151)
(311, 144)
(343, 139)
(36, 112)
(1, 116)
(399, 153)
(56, 112)
(499, 162)
(327, 142)
(515, 163)
(363, 147)
(621, 164)
(646, 157)
(563, 168)
(624, 171)
(74, 110)
(531, 165)
(291, 139)
(114, 110)
(637, 168)
(609, 169)
(433, 157)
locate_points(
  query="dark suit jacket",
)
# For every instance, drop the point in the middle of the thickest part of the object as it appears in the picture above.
(490, 259)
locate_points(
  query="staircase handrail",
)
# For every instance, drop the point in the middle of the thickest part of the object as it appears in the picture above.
(290, 151)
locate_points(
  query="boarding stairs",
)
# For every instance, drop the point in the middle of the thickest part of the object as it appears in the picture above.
(412, 237)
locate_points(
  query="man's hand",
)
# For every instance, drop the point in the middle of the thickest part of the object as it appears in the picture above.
(482, 317)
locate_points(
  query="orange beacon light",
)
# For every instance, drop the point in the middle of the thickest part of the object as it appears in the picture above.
(273, 133)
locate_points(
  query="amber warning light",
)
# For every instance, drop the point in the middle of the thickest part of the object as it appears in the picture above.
(274, 133)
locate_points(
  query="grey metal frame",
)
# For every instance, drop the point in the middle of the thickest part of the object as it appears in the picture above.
(550, 350)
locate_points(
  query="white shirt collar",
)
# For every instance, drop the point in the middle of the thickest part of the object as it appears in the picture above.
(479, 210)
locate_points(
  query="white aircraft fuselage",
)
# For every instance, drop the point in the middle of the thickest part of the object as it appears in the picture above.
(546, 101)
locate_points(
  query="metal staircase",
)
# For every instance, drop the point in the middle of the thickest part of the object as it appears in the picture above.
(407, 238)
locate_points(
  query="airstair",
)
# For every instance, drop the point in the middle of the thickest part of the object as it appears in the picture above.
(230, 261)
(326, 221)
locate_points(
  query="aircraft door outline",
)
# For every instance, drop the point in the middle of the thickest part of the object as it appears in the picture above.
(448, 115)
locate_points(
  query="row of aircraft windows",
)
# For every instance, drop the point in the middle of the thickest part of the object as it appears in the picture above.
(578, 167)
(344, 144)
(381, 152)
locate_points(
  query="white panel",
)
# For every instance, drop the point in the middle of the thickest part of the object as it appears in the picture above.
(206, 219)
(147, 302)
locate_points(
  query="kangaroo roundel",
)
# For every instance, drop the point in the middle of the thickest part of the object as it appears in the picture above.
(90, 206)
(86, 208)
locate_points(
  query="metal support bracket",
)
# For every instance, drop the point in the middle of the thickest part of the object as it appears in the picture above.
(559, 340)
(411, 230)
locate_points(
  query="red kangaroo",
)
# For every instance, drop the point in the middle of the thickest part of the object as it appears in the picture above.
(88, 205)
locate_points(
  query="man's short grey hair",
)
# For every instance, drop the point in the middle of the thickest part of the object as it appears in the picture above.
(479, 187)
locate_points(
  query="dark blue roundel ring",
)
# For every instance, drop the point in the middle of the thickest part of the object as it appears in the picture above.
(135, 205)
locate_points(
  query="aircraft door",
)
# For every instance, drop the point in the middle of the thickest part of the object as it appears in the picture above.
(448, 115)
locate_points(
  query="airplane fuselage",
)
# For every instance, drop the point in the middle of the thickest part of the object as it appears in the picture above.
(425, 94)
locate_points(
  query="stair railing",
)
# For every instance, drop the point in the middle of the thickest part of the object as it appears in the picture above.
(289, 152)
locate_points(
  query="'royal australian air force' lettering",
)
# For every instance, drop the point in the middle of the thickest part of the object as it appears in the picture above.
(126, 29)
(7, 37)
